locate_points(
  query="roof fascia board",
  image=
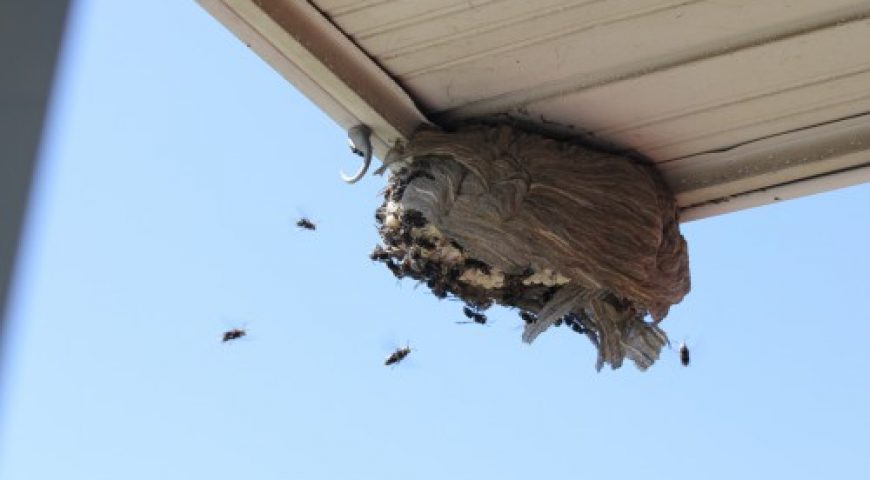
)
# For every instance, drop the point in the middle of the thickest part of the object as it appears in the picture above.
(304, 46)
(327, 67)
(776, 194)
(803, 162)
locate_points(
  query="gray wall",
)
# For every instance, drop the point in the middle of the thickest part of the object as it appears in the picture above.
(30, 36)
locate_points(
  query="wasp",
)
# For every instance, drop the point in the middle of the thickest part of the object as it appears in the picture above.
(379, 254)
(474, 263)
(426, 243)
(684, 354)
(473, 315)
(530, 317)
(396, 268)
(234, 334)
(573, 321)
(398, 355)
(413, 219)
(439, 290)
(306, 224)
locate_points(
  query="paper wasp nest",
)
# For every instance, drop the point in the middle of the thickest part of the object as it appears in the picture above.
(564, 233)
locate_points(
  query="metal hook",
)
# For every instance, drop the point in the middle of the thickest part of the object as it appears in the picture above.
(359, 139)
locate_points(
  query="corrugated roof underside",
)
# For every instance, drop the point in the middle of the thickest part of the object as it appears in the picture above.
(670, 78)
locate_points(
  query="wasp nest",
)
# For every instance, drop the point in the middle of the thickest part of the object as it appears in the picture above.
(563, 233)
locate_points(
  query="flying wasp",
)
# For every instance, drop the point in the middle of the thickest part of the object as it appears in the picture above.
(473, 315)
(306, 224)
(234, 334)
(398, 355)
(684, 354)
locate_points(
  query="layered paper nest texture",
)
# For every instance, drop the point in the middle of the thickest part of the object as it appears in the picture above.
(560, 231)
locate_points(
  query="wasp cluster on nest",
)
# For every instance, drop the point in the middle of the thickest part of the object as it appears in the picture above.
(565, 234)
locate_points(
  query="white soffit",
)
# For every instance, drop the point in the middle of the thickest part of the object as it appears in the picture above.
(739, 102)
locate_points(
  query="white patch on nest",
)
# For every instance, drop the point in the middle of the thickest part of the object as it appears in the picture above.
(448, 255)
(474, 276)
(392, 221)
(546, 277)
(445, 253)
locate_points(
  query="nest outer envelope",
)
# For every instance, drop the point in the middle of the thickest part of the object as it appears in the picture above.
(521, 202)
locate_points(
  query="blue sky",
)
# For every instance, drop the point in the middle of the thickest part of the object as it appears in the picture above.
(175, 164)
